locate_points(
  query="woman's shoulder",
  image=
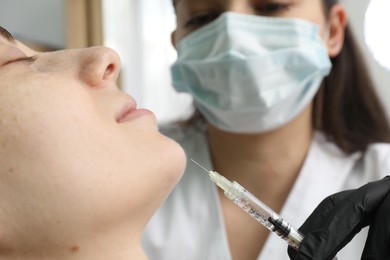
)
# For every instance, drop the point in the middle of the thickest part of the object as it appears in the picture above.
(375, 151)
(378, 154)
(360, 167)
(374, 162)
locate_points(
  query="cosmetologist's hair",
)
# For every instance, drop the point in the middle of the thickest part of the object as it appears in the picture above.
(347, 108)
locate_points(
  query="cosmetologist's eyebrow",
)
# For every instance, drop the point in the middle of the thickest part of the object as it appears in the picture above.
(7, 35)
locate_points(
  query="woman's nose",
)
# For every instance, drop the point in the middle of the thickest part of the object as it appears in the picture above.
(243, 7)
(99, 66)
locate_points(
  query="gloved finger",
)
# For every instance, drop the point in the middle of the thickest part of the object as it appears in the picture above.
(316, 219)
(378, 242)
(338, 219)
(323, 210)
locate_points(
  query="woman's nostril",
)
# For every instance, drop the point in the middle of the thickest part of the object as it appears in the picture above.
(109, 71)
(99, 65)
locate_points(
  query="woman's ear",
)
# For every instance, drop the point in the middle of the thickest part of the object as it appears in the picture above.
(173, 39)
(337, 23)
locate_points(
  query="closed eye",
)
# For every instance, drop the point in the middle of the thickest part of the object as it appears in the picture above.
(29, 59)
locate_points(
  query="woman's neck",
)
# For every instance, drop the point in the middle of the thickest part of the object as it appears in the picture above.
(119, 246)
(267, 164)
(129, 254)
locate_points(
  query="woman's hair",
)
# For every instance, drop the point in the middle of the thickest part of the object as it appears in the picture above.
(347, 108)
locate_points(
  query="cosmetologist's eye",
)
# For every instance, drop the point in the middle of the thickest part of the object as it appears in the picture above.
(200, 20)
(272, 8)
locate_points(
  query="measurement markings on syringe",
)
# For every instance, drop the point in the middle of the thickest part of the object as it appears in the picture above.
(251, 211)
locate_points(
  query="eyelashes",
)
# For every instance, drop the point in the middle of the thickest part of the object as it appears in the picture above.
(29, 59)
(201, 20)
(6, 34)
(264, 8)
(273, 8)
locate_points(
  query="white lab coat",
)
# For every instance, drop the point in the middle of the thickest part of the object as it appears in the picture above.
(189, 225)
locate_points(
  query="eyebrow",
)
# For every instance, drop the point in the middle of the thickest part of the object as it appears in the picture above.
(7, 35)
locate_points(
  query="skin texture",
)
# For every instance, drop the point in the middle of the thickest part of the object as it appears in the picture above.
(267, 164)
(76, 180)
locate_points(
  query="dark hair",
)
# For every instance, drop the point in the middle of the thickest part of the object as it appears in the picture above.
(347, 108)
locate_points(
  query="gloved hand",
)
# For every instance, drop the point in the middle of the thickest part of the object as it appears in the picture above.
(339, 217)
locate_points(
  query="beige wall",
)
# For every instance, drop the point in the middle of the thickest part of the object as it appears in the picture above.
(83, 23)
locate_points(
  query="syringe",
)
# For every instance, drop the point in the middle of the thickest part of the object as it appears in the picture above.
(256, 208)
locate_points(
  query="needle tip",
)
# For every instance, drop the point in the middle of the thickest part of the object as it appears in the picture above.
(199, 165)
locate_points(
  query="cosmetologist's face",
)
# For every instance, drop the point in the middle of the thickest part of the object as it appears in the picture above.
(76, 155)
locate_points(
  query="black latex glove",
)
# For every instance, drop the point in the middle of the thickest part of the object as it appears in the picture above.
(341, 216)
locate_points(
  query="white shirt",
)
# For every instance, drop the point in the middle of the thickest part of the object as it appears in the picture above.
(190, 225)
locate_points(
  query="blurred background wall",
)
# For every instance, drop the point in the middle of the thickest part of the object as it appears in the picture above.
(377, 24)
(38, 21)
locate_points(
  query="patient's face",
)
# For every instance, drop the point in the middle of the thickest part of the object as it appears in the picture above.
(74, 151)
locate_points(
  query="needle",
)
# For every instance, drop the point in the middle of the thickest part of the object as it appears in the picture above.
(200, 166)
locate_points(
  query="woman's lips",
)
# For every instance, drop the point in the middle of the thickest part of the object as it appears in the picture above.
(127, 109)
(130, 111)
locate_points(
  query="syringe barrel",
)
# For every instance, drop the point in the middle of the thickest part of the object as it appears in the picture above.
(239, 192)
(263, 214)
